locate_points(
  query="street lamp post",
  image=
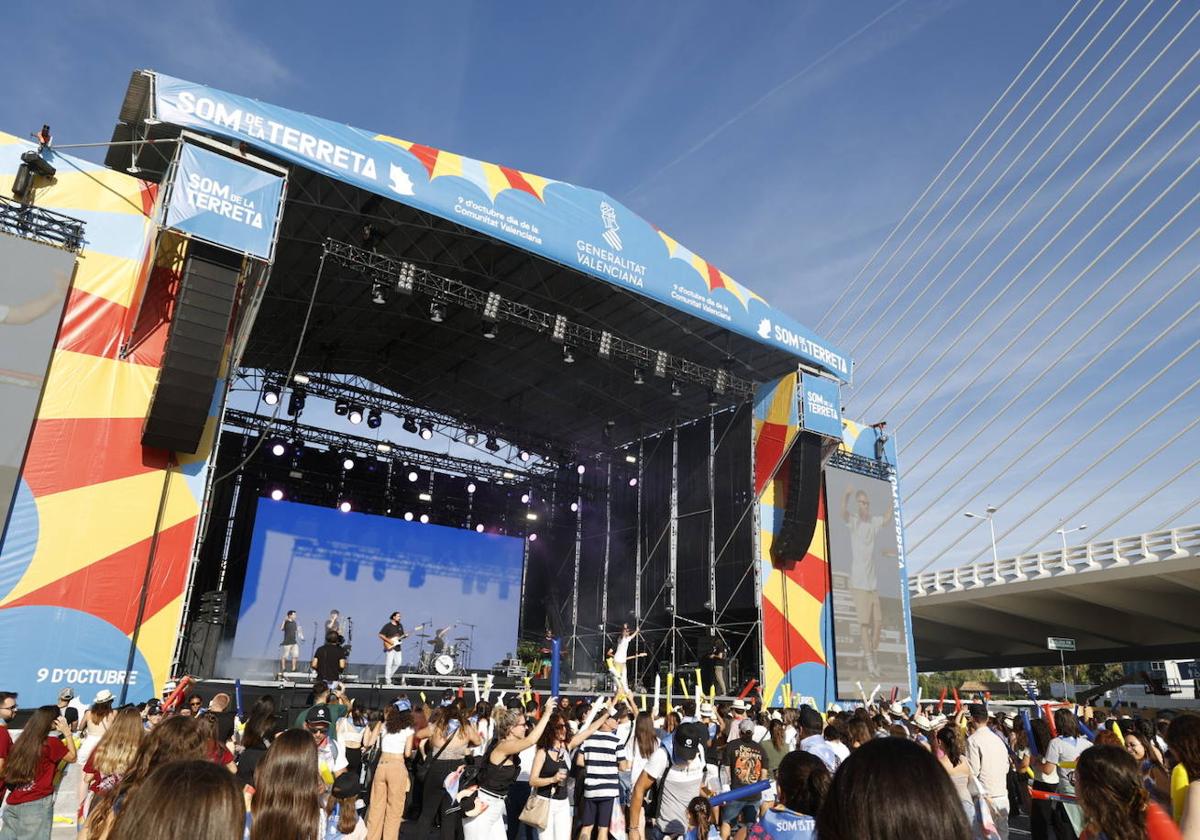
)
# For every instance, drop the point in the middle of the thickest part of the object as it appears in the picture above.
(1063, 531)
(990, 511)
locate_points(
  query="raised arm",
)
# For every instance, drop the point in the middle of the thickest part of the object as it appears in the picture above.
(591, 730)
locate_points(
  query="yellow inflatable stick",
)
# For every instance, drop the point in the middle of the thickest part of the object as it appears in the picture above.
(1179, 789)
(670, 691)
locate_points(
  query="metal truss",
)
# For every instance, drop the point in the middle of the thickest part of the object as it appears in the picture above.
(862, 465)
(407, 278)
(29, 222)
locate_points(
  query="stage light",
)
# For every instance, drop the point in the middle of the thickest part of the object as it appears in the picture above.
(437, 312)
(374, 418)
(523, 455)
(408, 516)
(271, 393)
(300, 379)
(344, 507)
(426, 432)
(531, 516)
(479, 528)
(341, 407)
(472, 438)
(424, 518)
(492, 444)
(385, 448)
(675, 390)
(278, 448)
(355, 414)
(410, 425)
(295, 403)
(471, 487)
(581, 469)
(406, 276)
(630, 459)
(638, 377)
(660, 363)
(425, 497)
(412, 476)
(348, 463)
(574, 507)
(277, 494)
(488, 330)
(508, 475)
(524, 498)
(633, 482)
(559, 331)
(568, 356)
(533, 537)
(379, 571)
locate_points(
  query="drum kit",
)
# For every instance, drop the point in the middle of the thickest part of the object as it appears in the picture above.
(451, 659)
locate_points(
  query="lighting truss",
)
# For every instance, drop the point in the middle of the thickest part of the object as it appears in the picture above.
(860, 464)
(557, 326)
(46, 226)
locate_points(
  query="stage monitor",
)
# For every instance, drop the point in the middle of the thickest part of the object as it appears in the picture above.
(868, 601)
(316, 559)
(33, 287)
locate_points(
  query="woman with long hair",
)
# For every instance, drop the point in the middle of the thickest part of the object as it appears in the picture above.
(1114, 799)
(891, 789)
(1065, 749)
(499, 769)
(286, 803)
(802, 781)
(113, 757)
(261, 727)
(859, 733)
(341, 810)
(775, 745)
(450, 737)
(645, 743)
(481, 718)
(183, 799)
(215, 750)
(350, 728)
(1183, 740)
(700, 821)
(551, 766)
(29, 774)
(175, 739)
(94, 724)
(390, 784)
(950, 749)
(1041, 811)
(1139, 743)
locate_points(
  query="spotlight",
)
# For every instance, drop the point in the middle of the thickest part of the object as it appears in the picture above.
(425, 497)
(574, 507)
(531, 516)
(348, 463)
(524, 498)
(471, 487)
(533, 537)
(508, 475)
(278, 448)
(426, 432)
(374, 418)
(633, 482)
(523, 455)
(437, 312)
(675, 390)
(568, 356)
(277, 494)
(492, 444)
(341, 407)
(488, 329)
(630, 459)
(385, 448)
(479, 528)
(355, 414)
(378, 293)
(581, 469)
(295, 403)
(345, 507)
(300, 379)
(472, 437)
(412, 476)
(638, 377)
(408, 516)
(410, 425)
(424, 518)
(271, 394)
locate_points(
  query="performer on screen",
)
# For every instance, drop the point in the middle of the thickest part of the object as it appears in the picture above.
(292, 637)
(392, 635)
(864, 584)
(333, 624)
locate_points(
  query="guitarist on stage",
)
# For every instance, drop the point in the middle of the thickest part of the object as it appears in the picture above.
(392, 634)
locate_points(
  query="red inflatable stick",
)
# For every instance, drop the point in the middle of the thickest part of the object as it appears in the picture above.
(941, 701)
(175, 696)
(957, 702)
(537, 698)
(749, 687)
(895, 693)
(1048, 716)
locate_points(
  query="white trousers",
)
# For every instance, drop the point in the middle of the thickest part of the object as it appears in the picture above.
(490, 825)
(393, 659)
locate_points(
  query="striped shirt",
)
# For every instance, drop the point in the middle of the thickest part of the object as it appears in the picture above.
(601, 754)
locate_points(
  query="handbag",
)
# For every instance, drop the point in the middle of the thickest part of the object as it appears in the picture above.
(536, 812)
(421, 771)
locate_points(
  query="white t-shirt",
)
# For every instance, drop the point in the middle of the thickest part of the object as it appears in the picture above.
(818, 746)
(621, 652)
(526, 759)
(637, 763)
(987, 755)
(331, 756)
(1062, 751)
(395, 743)
(681, 786)
(862, 550)
(839, 749)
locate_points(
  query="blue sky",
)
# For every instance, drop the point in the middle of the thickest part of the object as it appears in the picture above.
(783, 145)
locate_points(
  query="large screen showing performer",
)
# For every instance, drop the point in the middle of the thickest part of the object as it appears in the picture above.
(868, 605)
(458, 592)
(33, 288)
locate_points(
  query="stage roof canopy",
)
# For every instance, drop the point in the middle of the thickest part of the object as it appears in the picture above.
(534, 240)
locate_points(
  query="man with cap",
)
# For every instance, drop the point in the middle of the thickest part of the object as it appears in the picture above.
(676, 778)
(68, 709)
(331, 758)
(747, 763)
(812, 737)
(987, 756)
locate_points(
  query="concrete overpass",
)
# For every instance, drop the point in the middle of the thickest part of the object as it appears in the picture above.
(1131, 598)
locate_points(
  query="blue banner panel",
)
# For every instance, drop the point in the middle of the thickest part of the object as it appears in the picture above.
(225, 202)
(575, 226)
(822, 406)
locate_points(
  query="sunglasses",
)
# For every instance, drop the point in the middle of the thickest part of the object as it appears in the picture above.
(195, 703)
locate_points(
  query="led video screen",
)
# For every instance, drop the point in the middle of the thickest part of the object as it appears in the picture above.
(33, 287)
(868, 606)
(316, 559)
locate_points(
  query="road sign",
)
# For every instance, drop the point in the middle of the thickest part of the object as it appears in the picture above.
(1055, 643)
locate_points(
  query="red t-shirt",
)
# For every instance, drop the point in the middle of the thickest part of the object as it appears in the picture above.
(1159, 826)
(5, 742)
(53, 751)
(100, 785)
(218, 754)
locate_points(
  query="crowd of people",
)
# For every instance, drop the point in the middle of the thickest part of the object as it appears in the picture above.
(518, 769)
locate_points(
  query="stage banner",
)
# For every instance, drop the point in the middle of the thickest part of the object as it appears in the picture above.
(822, 406)
(795, 595)
(78, 545)
(581, 228)
(224, 202)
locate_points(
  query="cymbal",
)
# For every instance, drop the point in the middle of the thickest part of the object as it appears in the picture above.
(462, 638)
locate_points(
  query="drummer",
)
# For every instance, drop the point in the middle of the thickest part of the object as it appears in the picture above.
(439, 640)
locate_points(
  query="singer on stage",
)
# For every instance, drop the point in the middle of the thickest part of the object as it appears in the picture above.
(392, 634)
